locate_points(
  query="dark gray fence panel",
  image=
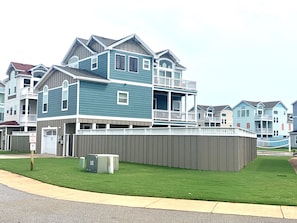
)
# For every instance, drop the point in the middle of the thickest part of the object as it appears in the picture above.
(19, 143)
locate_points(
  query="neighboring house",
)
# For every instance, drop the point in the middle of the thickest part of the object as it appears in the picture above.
(266, 119)
(214, 116)
(105, 83)
(2, 101)
(20, 109)
(293, 133)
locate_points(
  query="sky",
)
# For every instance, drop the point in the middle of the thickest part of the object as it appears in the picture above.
(234, 50)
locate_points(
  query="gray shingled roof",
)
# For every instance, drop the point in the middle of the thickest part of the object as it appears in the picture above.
(105, 41)
(268, 104)
(81, 73)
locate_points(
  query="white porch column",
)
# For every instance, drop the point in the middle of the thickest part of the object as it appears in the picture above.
(195, 108)
(169, 105)
(107, 126)
(186, 106)
(77, 127)
(93, 125)
(26, 115)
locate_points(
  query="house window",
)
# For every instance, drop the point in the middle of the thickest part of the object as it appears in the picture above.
(73, 62)
(248, 125)
(123, 98)
(45, 99)
(65, 95)
(27, 82)
(146, 64)
(94, 63)
(120, 62)
(133, 64)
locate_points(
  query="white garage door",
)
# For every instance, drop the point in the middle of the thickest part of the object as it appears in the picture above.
(49, 141)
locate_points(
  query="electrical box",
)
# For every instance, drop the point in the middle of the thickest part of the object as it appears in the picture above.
(102, 163)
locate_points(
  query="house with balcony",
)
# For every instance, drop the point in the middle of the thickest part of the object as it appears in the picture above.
(266, 119)
(20, 108)
(214, 116)
(293, 132)
(104, 83)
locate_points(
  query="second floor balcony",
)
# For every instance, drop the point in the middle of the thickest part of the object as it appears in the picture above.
(28, 119)
(165, 115)
(263, 117)
(28, 92)
(169, 82)
(264, 130)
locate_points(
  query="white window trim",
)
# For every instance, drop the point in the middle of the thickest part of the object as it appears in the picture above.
(115, 61)
(118, 98)
(63, 90)
(146, 62)
(43, 94)
(94, 60)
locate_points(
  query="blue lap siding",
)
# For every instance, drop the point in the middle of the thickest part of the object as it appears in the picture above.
(101, 100)
(55, 102)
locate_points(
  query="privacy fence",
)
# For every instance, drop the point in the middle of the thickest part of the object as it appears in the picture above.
(217, 149)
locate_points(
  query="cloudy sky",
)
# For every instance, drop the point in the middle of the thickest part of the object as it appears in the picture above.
(234, 50)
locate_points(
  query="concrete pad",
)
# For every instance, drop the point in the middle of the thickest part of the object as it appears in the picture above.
(184, 205)
(289, 212)
(248, 209)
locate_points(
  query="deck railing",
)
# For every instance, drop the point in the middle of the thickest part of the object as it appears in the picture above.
(174, 115)
(211, 131)
(174, 83)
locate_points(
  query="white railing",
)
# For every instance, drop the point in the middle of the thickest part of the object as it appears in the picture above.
(22, 133)
(263, 117)
(211, 131)
(174, 83)
(174, 115)
(212, 119)
(28, 118)
(264, 130)
(28, 91)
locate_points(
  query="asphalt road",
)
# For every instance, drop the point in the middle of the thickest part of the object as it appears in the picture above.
(21, 207)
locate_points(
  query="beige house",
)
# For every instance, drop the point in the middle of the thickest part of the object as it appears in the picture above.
(214, 116)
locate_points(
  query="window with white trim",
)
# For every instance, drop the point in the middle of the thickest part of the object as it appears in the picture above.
(123, 98)
(146, 64)
(65, 95)
(94, 63)
(120, 62)
(133, 64)
(45, 99)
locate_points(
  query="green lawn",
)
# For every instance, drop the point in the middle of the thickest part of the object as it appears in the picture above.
(266, 180)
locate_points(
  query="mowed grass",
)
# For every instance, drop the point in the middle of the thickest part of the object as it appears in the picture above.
(266, 180)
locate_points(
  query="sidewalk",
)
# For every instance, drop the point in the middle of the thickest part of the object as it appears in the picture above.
(36, 187)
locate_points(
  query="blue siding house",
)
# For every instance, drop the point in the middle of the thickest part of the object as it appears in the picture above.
(266, 119)
(293, 134)
(106, 83)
